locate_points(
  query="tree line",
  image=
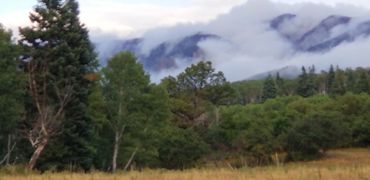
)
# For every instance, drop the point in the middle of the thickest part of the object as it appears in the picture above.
(61, 111)
(334, 82)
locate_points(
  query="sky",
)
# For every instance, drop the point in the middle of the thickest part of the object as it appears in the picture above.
(255, 49)
(134, 17)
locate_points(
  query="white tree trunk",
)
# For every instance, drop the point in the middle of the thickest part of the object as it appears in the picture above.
(131, 158)
(36, 154)
(117, 142)
(10, 149)
(115, 151)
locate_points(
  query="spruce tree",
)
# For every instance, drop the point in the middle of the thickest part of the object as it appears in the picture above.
(11, 95)
(339, 84)
(350, 80)
(312, 87)
(58, 47)
(269, 88)
(363, 83)
(306, 83)
(330, 80)
(302, 83)
(280, 85)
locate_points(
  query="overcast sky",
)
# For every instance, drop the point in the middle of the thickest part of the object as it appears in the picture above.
(124, 17)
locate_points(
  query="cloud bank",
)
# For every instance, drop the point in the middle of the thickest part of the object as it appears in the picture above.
(252, 47)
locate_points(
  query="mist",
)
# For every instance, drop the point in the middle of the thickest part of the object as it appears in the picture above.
(249, 46)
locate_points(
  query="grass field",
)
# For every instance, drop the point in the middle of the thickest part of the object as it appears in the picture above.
(345, 164)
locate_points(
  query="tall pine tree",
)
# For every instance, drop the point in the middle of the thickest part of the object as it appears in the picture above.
(350, 80)
(11, 95)
(306, 82)
(339, 84)
(62, 55)
(330, 80)
(269, 88)
(363, 82)
(280, 85)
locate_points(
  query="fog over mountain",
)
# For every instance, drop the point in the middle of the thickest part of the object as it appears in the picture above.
(257, 37)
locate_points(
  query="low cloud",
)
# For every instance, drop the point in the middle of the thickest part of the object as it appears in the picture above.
(251, 47)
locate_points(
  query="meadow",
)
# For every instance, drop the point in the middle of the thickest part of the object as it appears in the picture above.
(342, 164)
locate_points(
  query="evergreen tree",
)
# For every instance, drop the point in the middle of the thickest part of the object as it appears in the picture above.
(339, 84)
(312, 87)
(363, 84)
(330, 80)
(60, 53)
(306, 83)
(11, 95)
(280, 85)
(321, 82)
(350, 80)
(269, 88)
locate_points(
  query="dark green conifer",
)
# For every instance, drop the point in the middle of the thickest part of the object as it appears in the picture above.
(59, 42)
(269, 89)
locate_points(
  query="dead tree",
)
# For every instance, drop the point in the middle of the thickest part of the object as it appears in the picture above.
(50, 100)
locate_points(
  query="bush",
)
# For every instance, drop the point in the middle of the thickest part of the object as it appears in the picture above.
(361, 131)
(311, 137)
(181, 149)
(258, 143)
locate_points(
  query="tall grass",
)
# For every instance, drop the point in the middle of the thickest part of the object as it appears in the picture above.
(349, 164)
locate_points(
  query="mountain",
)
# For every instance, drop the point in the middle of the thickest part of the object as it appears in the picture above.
(164, 55)
(329, 33)
(288, 72)
(321, 38)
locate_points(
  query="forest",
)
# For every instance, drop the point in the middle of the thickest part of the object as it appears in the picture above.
(62, 111)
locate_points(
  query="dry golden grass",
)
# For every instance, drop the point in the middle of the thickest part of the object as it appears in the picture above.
(348, 164)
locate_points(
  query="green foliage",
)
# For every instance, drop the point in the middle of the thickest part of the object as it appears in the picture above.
(269, 89)
(306, 83)
(363, 83)
(361, 131)
(303, 127)
(124, 81)
(136, 111)
(330, 80)
(11, 92)
(59, 48)
(181, 149)
(257, 142)
(248, 91)
(196, 115)
(312, 136)
(339, 84)
(194, 92)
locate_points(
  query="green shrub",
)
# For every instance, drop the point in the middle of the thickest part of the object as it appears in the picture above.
(181, 149)
(361, 131)
(311, 137)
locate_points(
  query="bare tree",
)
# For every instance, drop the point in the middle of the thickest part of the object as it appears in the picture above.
(50, 100)
(10, 148)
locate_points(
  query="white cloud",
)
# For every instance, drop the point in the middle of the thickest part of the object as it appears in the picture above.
(125, 17)
(136, 18)
(258, 50)
(254, 48)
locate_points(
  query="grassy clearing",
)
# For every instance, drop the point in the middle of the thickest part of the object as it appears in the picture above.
(338, 165)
